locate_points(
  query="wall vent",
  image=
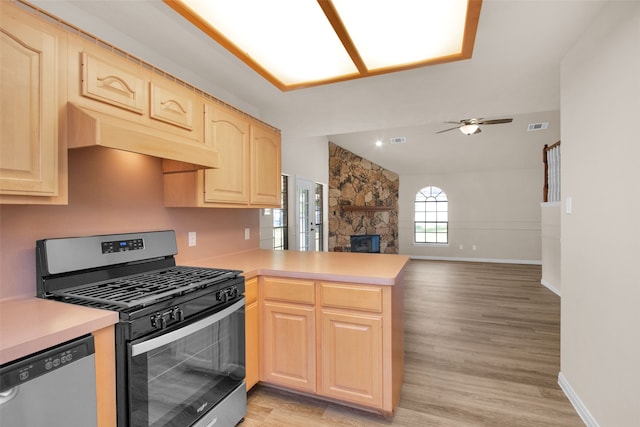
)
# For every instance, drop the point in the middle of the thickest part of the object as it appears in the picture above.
(398, 140)
(537, 126)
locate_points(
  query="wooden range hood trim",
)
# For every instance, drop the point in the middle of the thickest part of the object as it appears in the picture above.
(88, 128)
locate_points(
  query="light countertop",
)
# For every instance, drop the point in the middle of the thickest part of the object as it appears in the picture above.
(30, 325)
(375, 269)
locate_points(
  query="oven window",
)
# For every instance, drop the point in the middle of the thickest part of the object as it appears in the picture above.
(179, 381)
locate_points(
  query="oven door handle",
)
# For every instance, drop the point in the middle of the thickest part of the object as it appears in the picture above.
(172, 336)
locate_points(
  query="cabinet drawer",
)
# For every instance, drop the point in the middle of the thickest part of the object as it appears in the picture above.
(353, 297)
(293, 290)
(104, 82)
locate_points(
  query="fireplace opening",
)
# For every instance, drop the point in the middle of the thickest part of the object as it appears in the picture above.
(369, 243)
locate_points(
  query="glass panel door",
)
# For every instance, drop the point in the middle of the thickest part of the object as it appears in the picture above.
(305, 215)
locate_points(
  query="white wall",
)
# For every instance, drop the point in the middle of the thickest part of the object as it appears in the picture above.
(600, 329)
(497, 211)
(550, 250)
(306, 158)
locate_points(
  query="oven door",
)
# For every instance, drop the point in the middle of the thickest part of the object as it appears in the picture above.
(179, 376)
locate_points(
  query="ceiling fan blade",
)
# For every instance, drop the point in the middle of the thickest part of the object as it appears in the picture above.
(447, 130)
(494, 121)
(460, 122)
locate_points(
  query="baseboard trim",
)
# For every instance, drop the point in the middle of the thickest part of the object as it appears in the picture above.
(580, 408)
(550, 287)
(495, 260)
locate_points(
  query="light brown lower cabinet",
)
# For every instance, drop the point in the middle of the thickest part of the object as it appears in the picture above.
(252, 333)
(342, 341)
(288, 333)
(351, 357)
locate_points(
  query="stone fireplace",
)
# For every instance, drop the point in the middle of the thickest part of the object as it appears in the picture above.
(363, 200)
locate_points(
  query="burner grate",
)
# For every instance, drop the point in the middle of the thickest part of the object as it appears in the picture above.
(149, 287)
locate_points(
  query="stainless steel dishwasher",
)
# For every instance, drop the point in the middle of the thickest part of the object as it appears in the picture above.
(55, 387)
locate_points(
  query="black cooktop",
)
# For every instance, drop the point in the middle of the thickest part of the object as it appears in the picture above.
(146, 288)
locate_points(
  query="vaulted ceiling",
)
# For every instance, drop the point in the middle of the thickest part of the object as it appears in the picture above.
(514, 72)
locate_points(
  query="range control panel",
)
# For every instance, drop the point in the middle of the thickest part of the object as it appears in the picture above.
(122, 246)
(175, 314)
(30, 367)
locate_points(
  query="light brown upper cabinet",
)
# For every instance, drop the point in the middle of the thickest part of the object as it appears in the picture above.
(119, 85)
(175, 106)
(265, 166)
(33, 164)
(61, 90)
(122, 103)
(228, 132)
(249, 169)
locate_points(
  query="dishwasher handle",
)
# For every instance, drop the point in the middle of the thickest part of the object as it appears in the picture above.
(7, 396)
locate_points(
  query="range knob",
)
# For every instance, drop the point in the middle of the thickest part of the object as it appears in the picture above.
(221, 296)
(158, 321)
(231, 292)
(177, 314)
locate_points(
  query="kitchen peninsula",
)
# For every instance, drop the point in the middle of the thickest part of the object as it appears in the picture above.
(323, 323)
(319, 323)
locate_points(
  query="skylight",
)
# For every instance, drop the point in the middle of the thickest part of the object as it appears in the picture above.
(301, 43)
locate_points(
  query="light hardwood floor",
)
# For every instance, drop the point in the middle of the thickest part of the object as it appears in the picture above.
(482, 348)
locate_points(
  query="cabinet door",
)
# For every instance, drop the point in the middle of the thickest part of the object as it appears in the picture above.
(170, 105)
(228, 133)
(252, 334)
(351, 357)
(288, 352)
(29, 96)
(265, 166)
(111, 84)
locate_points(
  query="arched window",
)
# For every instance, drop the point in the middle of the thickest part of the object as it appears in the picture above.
(431, 216)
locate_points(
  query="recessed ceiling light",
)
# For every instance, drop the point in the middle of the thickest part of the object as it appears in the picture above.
(378, 143)
(301, 43)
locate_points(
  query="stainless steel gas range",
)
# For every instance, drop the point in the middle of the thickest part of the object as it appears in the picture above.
(180, 346)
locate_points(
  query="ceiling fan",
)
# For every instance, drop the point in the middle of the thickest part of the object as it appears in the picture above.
(472, 126)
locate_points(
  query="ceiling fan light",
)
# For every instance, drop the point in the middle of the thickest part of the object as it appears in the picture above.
(469, 129)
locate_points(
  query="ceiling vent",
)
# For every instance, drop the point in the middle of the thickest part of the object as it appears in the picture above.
(398, 140)
(537, 126)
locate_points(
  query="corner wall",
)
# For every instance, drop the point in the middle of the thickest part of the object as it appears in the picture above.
(600, 344)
